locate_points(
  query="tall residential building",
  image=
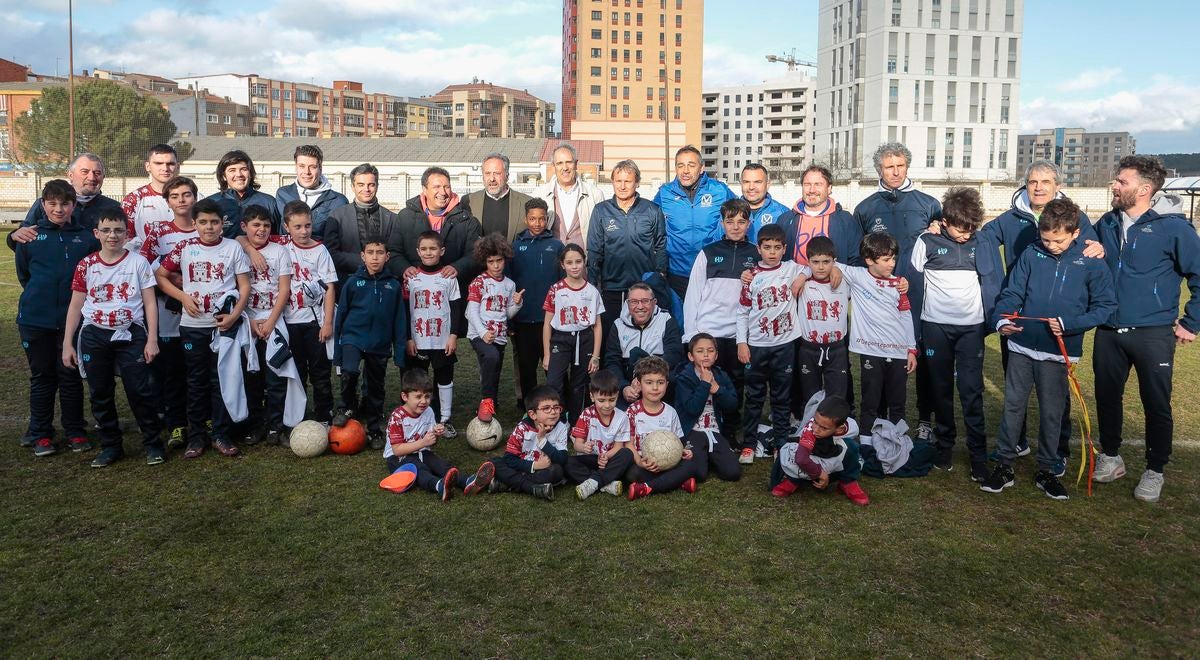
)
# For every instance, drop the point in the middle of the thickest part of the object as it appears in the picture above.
(941, 76)
(769, 123)
(285, 109)
(1085, 159)
(483, 109)
(624, 63)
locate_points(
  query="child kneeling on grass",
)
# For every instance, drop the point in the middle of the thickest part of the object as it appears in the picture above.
(601, 438)
(537, 448)
(412, 432)
(648, 414)
(705, 396)
(821, 455)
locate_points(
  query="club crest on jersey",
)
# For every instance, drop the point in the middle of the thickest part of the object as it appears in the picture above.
(612, 225)
(361, 283)
(766, 219)
(717, 260)
(706, 200)
(877, 225)
(187, 346)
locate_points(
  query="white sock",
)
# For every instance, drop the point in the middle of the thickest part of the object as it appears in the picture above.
(446, 397)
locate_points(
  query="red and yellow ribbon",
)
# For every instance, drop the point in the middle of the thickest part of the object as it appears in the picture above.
(1087, 458)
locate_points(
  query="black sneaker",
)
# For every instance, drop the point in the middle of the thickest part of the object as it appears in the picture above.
(1050, 485)
(925, 431)
(155, 455)
(943, 458)
(450, 432)
(979, 472)
(544, 491)
(343, 415)
(253, 437)
(274, 437)
(375, 439)
(1001, 477)
(107, 457)
(285, 439)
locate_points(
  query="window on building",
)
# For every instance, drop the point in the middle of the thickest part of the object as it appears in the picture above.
(595, 108)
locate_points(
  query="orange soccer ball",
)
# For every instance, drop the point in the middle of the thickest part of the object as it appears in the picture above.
(348, 439)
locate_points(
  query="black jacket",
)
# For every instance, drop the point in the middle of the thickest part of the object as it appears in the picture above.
(345, 245)
(460, 230)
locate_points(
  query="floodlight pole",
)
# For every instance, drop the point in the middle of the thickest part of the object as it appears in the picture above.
(70, 80)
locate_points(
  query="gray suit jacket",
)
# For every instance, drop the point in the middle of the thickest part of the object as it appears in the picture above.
(345, 245)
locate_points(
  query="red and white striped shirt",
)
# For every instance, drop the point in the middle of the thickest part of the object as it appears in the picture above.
(405, 427)
(112, 291)
(209, 273)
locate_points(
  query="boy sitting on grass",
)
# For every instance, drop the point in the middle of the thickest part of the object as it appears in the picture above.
(821, 455)
(648, 414)
(537, 448)
(601, 438)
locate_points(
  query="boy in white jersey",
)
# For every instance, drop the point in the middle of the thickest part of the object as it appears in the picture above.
(536, 450)
(651, 413)
(113, 296)
(270, 294)
(766, 329)
(168, 369)
(215, 290)
(435, 309)
(601, 439)
(412, 433)
(822, 355)
(492, 299)
(882, 331)
(309, 315)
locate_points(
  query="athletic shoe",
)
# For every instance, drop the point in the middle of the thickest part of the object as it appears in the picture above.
(481, 479)
(1108, 468)
(979, 472)
(586, 489)
(44, 447)
(450, 432)
(638, 490)
(343, 415)
(226, 447)
(1050, 485)
(445, 487)
(27, 441)
(943, 458)
(107, 457)
(274, 437)
(924, 431)
(785, 488)
(1001, 477)
(747, 457)
(80, 443)
(1149, 489)
(176, 439)
(689, 486)
(496, 486)
(613, 488)
(1023, 448)
(375, 439)
(155, 455)
(195, 449)
(487, 408)
(544, 491)
(853, 492)
(253, 437)
(1060, 468)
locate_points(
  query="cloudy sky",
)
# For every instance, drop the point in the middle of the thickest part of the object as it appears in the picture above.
(1098, 64)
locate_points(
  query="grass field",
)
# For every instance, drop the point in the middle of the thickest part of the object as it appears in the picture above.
(270, 555)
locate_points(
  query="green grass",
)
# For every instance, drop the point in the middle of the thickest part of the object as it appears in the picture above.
(274, 555)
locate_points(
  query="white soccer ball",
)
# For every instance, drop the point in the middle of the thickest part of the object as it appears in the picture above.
(310, 438)
(663, 448)
(484, 436)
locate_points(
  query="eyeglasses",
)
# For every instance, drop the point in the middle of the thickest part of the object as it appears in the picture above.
(549, 409)
(111, 230)
(638, 302)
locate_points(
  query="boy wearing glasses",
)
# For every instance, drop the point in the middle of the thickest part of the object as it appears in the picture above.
(644, 329)
(536, 452)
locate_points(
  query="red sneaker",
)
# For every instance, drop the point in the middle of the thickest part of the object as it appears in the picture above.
(785, 488)
(638, 490)
(854, 493)
(487, 408)
(448, 483)
(689, 486)
(483, 476)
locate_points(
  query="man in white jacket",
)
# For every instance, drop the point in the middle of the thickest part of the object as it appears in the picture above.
(571, 199)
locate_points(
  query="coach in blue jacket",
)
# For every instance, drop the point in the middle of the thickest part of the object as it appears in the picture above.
(691, 206)
(1150, 247)
(764, 210)
(626, 239)
(312, 187)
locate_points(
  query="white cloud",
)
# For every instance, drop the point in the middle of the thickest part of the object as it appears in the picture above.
(1090, 79)
(1166, 105)
(725, 66)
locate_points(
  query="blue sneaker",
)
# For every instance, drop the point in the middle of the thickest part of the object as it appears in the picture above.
(1022, 450)
(1060, 468)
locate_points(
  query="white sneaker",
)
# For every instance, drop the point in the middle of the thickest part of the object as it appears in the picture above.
(1108, 468)
(586, 489)
(612, 488)
(1150, 487)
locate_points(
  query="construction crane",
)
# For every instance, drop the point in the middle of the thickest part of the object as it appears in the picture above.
(790, 60)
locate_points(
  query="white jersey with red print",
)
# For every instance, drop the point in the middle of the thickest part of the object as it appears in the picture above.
(144, 208)
(404, 427)
(490, 306)
(209, 274)
(429, 296)
(766, 313)
(573, 310)
(882, 324)
(161, 238)
(112, 291)
(524, 441)
(264, 284)
(589, 427)
(707, 421)
(823, 312)
(311, 266)
(642, 422)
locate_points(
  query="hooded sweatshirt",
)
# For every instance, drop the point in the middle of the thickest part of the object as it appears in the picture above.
(1017, 228)
(627, 343)
(1148, 256)
(322, 200)
(800, 224)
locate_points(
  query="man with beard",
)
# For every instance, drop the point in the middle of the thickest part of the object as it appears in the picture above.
(764, 210)
(501, 209)
(86, 176)
(312, 188)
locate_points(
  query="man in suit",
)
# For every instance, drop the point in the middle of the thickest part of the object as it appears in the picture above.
(500, 209)
(348, 227)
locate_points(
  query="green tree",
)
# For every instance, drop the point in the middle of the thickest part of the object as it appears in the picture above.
(111, 120)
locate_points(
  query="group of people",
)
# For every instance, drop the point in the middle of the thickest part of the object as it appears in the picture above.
(688, 313)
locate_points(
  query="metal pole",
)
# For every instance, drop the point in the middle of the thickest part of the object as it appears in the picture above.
(71, 79)
(665, 117)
